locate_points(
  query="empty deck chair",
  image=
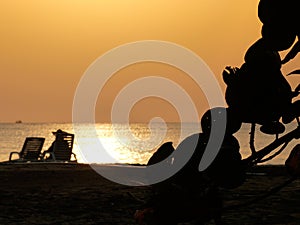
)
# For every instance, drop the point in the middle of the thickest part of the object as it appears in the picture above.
(31, 150)
(62, 148)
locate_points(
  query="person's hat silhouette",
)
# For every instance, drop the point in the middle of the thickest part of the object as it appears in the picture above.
(57, 132)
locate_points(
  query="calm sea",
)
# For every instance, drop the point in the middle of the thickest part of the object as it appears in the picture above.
(133, 144)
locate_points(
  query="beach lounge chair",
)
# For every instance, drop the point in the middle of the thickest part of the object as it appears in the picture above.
(31, 150)
(62, 148)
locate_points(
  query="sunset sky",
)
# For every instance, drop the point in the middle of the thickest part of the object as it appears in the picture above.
(46, 46)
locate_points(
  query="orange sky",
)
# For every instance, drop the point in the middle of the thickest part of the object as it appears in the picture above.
(46, 46)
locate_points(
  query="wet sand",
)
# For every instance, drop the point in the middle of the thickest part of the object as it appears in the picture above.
(75, 194)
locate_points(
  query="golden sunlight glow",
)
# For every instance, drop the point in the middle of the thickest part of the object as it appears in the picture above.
(47, 45)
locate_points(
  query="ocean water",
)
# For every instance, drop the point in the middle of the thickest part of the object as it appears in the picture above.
(121, 143)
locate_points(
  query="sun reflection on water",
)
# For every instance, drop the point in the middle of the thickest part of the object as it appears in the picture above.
(12, 137)
(123, 146)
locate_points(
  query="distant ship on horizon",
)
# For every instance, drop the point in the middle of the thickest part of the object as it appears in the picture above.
(19, 121)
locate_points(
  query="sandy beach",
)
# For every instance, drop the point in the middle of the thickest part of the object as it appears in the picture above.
(75, 194)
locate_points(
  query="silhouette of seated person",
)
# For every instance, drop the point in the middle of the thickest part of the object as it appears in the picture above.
(189, 189)
(51, 148)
